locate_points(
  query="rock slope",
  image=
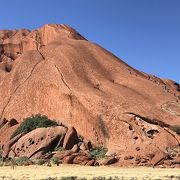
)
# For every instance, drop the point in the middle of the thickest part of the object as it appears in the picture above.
(56, 72)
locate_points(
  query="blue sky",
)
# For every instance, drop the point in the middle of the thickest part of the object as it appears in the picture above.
(144, 33)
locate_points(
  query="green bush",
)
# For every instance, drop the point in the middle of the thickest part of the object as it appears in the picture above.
(50, 178)
(176, 128)
(69, 178)
(175, 151)
(33, 122)
(22, 160)
(97, 153)
(55, 160)
(6, 162)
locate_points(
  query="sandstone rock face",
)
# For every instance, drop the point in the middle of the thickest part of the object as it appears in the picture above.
(8, 146)
(56, 72)
(38, 141)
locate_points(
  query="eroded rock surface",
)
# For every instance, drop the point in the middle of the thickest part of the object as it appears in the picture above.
(55, 71)
(38, 142)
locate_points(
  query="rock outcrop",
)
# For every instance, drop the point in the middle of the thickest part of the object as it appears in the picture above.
(70, 139)
(81, 158)
(38, 142)
(56, 72)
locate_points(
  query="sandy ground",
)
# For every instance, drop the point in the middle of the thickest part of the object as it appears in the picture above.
(43, 172)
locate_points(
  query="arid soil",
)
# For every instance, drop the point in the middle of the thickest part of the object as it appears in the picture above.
(43, 172)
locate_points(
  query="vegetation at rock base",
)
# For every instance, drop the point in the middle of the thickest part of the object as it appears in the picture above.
(23, 160)
(6, 163)
(40, 162)
(175, 151)
(69, 178)
(61, 149)
(55, 160)
(34, 122)
(99, 152)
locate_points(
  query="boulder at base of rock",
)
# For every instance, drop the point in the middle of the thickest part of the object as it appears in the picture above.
(108, 161)
(7, 147)
(159, 156)
(79, 159)
(62, 154)
(38, 141)
(68, 159)
(75, 148)
(70, 139)
(90, 162)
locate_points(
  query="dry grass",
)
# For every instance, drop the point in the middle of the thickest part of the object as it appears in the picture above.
(43, 172)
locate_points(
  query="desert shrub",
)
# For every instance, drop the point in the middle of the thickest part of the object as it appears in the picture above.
(22, 160)
(1, 159)
(69, 178)
(97, 153)
(51, 178)
(6, 162)
(1, 163)
(108, 178)
(55, 160)
(33, 122)
(61, 149)
(176, 128)
(175, 151)
(49, 164)
(40, 161)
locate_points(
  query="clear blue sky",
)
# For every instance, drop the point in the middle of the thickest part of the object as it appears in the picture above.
(144, 33)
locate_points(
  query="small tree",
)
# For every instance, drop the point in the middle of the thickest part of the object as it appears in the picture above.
(33, 122)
